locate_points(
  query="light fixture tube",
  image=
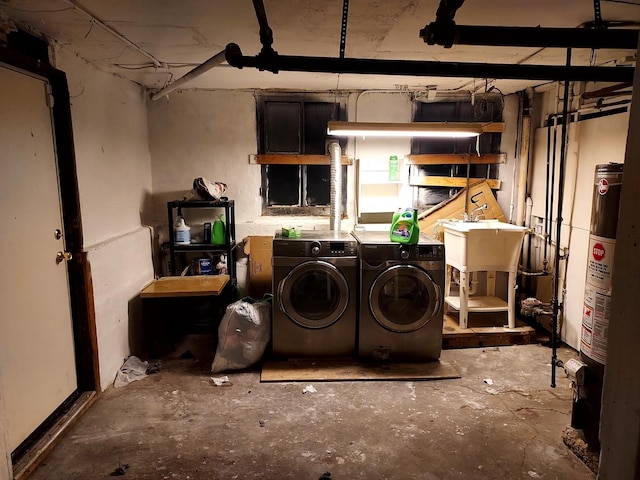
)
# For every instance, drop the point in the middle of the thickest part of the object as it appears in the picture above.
(414, 129)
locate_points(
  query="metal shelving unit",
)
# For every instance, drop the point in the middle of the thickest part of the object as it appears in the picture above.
(176, 208)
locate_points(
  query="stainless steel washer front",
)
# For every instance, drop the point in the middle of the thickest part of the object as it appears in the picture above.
(404, 298)
(401, 307)
(315, 289)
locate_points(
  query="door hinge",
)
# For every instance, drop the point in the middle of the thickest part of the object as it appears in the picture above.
(48, 95)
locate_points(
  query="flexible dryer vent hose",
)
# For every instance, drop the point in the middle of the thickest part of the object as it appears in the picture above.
(336, 186)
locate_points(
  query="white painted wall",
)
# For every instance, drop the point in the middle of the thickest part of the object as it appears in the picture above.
(206, 134)
(120, 267)
(591, 142)
(114, 178)
(211, 134)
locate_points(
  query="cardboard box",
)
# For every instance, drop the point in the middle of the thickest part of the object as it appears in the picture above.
(260, 250)
(480, 192)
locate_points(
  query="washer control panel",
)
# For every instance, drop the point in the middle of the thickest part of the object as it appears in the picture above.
(315, 248)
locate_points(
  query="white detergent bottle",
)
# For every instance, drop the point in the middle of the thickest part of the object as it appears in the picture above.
(182, 232)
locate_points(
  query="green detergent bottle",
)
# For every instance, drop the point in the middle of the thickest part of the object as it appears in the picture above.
(217, 231)
(404, 227)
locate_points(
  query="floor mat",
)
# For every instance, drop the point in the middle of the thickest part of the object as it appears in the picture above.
(320, 370)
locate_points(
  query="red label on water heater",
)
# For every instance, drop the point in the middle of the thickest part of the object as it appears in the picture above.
(600, 263)
(603, 186)
(598, 251)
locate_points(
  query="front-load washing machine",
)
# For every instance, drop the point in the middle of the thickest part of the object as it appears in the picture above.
(401, 303)
(315, 292)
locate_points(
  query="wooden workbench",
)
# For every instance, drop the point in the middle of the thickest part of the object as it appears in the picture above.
(171, 304)
(195, 286)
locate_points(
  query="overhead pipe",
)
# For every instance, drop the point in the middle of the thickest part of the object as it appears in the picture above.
(546, 37)
(217, 59)
(273, 62)
(266, 39)
(266, 34)
(611, 91)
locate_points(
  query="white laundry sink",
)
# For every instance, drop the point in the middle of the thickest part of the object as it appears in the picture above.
(483, 245)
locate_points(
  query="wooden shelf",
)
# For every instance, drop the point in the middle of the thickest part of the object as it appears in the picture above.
(297, 159)
(456, 159)
(479, 304)
(457, 182)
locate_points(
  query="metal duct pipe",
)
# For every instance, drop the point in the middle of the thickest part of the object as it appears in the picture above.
(335, 215)
(274, 62)
(435, 34)
(217, 59)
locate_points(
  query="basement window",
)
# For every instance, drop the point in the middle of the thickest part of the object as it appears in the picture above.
(292, 148)
(431, 172)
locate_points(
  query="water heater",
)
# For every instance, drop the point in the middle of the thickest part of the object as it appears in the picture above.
(597, 299)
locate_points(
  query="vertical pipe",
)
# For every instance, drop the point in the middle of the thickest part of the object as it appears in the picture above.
(556, 310)
(546, 192)
(553, 178)
(335, 215)
(523, 170)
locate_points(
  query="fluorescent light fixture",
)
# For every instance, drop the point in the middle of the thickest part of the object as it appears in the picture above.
(414, 129)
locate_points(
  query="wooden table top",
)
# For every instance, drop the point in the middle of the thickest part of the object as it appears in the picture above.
(193, 286)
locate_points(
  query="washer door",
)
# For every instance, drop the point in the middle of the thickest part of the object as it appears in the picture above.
(314, 294)
(403, 298)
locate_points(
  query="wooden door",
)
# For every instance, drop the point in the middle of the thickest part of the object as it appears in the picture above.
(36, 336)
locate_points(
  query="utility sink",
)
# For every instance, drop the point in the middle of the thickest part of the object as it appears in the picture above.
(485, 245)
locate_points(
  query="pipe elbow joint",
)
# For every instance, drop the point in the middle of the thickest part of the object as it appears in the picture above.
(440, 32)
(233, 55)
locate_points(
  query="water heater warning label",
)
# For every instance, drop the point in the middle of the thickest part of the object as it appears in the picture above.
(595, 324)
(600, 264)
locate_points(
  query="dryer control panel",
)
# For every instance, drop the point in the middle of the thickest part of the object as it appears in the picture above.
(318, 247)
(430, 252)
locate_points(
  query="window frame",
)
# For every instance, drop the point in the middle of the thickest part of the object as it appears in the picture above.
(303, 159)
(486, 108)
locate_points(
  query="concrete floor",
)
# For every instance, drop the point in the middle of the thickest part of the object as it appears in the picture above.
(177, 425)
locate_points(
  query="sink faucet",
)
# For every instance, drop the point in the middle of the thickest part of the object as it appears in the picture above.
(474, 218)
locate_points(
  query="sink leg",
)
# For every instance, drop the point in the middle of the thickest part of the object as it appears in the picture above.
(511, 314)
(447, 286)
(464, 300)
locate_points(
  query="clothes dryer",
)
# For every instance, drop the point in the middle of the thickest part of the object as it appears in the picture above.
(315, 286)
(401, 298)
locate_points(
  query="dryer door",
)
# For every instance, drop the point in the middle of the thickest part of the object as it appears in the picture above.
(314, 294)
(403, 298)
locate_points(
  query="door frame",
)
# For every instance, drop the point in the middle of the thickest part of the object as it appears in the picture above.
(79, 272)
